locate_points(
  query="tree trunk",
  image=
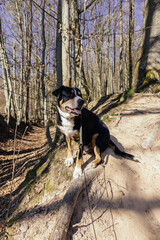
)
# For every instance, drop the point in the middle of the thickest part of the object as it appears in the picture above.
(126, 61)
(21, 99)
(6, 76)
(109, 80)
(42, 77)
(28, 50)
(59, 46)
(75, 32)
(131, 40)
(97, 54)
(65, 44)
(115, 87)
(148, 66)
(15, 85)
(121, 47)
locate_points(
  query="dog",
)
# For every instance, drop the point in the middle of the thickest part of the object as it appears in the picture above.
(95, 134)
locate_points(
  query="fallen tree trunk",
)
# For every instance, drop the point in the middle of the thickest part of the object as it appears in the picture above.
(69, 202)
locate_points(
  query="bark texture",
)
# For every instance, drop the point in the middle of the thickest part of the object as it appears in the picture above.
(148, 67)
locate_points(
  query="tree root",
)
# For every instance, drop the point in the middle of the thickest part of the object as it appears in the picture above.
(69, 202)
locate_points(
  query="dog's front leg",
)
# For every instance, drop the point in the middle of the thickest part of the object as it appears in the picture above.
(69, 160)
(78, 168)
(96, 150)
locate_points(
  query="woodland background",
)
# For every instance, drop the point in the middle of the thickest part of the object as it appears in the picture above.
(94, 45)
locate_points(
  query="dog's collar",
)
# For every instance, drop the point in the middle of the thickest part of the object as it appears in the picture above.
(65, 114)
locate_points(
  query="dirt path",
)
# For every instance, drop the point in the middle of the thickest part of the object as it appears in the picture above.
(121, 203)
(125, 198)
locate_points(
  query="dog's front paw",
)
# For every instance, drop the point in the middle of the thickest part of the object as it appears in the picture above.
(77, 172)
(69, 161)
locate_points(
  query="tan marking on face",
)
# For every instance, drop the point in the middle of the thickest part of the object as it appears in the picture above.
(69, 103)
(61, 106)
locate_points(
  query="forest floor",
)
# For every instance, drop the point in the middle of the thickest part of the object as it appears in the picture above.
(123, 202)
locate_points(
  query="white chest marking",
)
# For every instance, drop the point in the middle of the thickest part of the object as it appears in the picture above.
(67, 124)
(67, 127)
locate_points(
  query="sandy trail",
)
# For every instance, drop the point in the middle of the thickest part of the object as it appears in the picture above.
(124, 201)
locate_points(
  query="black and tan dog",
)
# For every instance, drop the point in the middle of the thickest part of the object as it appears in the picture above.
(95, 134)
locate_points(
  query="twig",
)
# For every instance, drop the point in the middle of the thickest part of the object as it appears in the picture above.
(119, 120)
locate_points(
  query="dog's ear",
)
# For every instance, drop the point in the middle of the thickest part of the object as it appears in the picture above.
(58, 91)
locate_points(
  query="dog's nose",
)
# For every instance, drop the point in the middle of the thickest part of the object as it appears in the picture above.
(80, 102)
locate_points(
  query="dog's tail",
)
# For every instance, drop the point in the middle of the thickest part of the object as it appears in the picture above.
(122, 153)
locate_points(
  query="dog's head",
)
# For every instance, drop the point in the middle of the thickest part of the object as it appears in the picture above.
(70, 100)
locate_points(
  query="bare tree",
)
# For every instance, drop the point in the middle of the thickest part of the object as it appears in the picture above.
(115, 87)
(131, 40)
(43, 75)
(121, 45)
(28, 52)
(21, 99)
(97, 41)
(65, 44)
(59, 45)
(76, 43)
(6, 75)
(109, 79)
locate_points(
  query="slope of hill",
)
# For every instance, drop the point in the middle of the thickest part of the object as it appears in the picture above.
(123, 202)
